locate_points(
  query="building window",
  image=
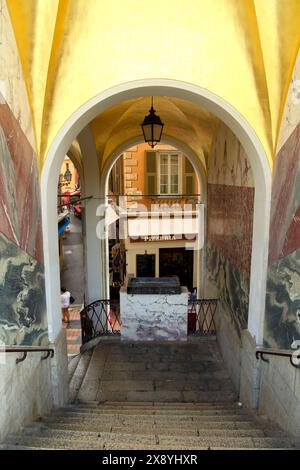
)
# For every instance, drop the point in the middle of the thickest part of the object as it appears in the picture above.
(169, 174)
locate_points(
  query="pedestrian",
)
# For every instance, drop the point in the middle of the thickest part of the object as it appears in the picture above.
(65, 304)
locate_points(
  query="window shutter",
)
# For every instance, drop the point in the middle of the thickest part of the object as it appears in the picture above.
(188, 177)
(151, 172)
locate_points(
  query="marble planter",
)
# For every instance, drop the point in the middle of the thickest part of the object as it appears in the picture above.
(154, 316)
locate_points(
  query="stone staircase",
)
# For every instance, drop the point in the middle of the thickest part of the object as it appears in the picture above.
(151, 396)
(146, 426)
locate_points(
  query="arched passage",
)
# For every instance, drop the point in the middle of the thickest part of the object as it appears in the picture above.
(223, 110)
(199, 170)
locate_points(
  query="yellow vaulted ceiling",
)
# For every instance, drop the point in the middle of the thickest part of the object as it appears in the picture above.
(241, 50)
(182, 120)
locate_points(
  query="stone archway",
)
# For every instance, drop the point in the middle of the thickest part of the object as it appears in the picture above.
(223, 110)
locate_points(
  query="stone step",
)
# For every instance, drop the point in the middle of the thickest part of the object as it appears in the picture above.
(76, 440)
(72, 365)
(175, 366)
(81, 439)
(90, 384)
(53, 445)
(150, 374)
(166, 396)
(78, 375)
(155, 385)
(145, 413)
(165, 359)
(113, 419)
(244, 442)
(200, 425)
(160, 430)
(176, 408)
(17, 447)
(156, 406)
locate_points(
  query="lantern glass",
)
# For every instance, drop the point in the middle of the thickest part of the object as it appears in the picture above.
(147, 131)
(152, 127)
(157, 131)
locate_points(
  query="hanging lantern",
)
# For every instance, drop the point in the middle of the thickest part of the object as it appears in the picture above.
(152, 127)
(68, 174)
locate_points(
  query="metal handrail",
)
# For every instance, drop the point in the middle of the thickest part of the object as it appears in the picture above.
(259, 354)
(25, 351)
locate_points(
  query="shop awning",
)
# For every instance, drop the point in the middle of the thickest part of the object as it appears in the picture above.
(63, 224)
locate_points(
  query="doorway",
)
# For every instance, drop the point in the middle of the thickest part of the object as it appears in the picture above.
(177, 262)
(145, 265)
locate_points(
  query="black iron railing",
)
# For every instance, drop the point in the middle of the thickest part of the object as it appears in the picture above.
(201, 316)
(294, 356)
(8, 349)
(100, 318)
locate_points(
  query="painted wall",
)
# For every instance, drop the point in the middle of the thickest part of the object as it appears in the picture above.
(22, 291)
(25, 389)
(282, 318)
(229, 227)
(12, 85)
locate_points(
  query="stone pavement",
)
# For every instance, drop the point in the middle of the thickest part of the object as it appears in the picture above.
(72, 274)
(73, 331)
(72, 277)
(191, 371)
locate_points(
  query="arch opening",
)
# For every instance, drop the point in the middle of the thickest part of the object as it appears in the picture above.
(124, 179)
(223, 110)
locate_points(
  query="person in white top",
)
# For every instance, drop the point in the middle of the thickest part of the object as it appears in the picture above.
(65, 304)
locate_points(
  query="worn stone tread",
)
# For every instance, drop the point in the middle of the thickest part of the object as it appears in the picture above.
(72, 365)
(78, 375)
(160, 430)
(105, 440)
